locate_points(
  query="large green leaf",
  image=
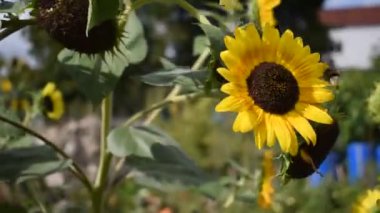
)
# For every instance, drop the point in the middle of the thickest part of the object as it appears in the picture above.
(101, 10)
(98, 74)
(125, 141)
(21, 164)
(154, 158)
(216, 38)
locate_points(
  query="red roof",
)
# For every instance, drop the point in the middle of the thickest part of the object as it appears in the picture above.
(350, 17)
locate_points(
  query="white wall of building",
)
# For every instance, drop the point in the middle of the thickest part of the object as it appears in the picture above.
(358, 46)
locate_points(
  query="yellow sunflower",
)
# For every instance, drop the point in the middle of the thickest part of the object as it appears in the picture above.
(274, 85)
(53, 105)
(266, 11)
(265, 196)
(370, 202)
(5, 85)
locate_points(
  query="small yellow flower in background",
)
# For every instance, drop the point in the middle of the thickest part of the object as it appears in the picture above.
(275, 85)
(266, 11)
(370, 202)
(5, 85)
(22, 104)
(52, 101)
(266, 192)
(231, 4)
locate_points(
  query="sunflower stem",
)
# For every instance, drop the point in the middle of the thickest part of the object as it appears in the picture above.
(105, 157)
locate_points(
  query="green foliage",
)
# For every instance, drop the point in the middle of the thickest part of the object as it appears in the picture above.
(100, 73)
(101, 10)
(216, 38)
(354, 89)
(374, 104)
(200, 44)
(157, 157)
(20, 164)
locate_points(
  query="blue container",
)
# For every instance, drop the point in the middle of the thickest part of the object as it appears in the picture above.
(327, 167)
(377, 158)
(358, 155)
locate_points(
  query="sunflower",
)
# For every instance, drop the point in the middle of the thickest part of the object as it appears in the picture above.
(5, 85)
(266, 11)
(265, 196)
(53, 105)
(370, 202)
(274, 85)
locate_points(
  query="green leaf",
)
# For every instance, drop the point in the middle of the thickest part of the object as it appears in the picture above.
(121, 142)
(100, 11)
(166, 64)
(136, 46)
(125, 141)
(21, 164)
(216, 38)
(199, 45)
(98, 74)
(169, 78)
(155, 158)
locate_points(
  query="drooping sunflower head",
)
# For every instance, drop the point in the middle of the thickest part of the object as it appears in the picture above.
(266, 13)
(52, 102)
(369, 202)
(66, 21)
(310, 157)
(275, 86)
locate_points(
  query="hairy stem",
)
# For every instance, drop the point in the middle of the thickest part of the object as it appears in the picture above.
(105, 157)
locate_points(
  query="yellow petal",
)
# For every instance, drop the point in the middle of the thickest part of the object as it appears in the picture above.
(302, 126)
(270, 40)
(313, 113)
(243, 122)
(260, 135)
(315, 95)
(230, 103)
(270, 131)
(48, 89)
(293, 140)
(228, 75)
(254, 37)
(312, 83)
(282, 132)
(233, 89)
(231, 61)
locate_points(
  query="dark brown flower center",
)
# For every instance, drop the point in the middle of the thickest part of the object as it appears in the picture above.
(273, 88)
(48, 104)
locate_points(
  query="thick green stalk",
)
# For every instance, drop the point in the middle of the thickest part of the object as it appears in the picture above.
(100, 184)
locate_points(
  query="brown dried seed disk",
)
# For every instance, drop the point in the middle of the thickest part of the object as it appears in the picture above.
(65, 21)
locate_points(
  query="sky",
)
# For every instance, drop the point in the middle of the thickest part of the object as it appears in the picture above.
(335, 4)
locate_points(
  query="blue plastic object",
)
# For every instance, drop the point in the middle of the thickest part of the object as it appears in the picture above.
(358, 155)
(327, 166)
